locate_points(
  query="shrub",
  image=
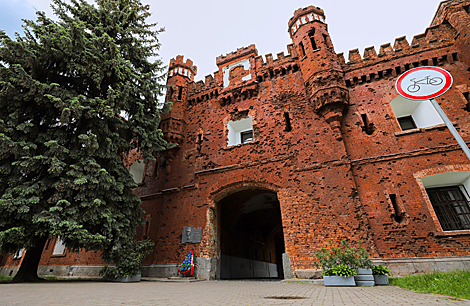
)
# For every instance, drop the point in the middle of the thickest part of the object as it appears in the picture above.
(340, 270)
(344, 254)
(363, 261)
(128, 258)
(380, 270)
(334, 256)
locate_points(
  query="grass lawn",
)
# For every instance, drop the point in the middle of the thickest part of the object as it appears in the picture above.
(453, 283)
(4, 278)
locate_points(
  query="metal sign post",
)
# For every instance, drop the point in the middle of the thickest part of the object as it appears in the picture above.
(451, 127)
(427, 83)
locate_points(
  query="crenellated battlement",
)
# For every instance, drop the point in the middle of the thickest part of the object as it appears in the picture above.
(261, 68)
(431, 48)
(179, 67)
(303, 11)
(303, 16)
(434, 37)
(241, 52)
(280, 59)
(401, 43)
(265, 68)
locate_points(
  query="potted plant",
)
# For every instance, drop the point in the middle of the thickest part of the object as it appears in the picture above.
(380, 274)
(338, 264)
(364, 266)
(340, 275)
(128, 258)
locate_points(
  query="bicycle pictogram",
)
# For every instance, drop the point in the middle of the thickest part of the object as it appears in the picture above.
(435, 81)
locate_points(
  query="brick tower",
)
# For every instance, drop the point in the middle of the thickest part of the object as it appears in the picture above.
(322, 73)
(180, 74)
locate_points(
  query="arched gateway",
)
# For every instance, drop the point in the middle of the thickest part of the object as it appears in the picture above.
(251, 236)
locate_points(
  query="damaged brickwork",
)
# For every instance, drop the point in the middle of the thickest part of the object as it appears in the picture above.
(326, 156)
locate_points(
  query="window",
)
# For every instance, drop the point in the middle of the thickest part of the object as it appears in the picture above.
(18, 254)
(450, 201)
(451, 206)
(180, 93)
(406, 123)
(467, 97)
(311, 35)
(302, 50)
(137, 170)
(398, 215)
(421, 114)
(146, 229)
(240, 131)
(288, 126)
(246, 136)
(368, 126)
(59, 248)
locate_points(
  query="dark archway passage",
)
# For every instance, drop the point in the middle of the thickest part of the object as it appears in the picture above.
(251, 236)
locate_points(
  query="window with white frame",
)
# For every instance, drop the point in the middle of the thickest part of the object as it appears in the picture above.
(137, 170)
(415, 114)
(240, 131)
(450, 200)
(59, 248)
(18, 254)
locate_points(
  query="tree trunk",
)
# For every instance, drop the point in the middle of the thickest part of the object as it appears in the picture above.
(28, 271)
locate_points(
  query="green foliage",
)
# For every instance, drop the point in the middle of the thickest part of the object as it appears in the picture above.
(4, 278)
(454, 283)
(128, 258)
(380, 270)
(344, 254)
(63, 88)
(336, 255)
(362, 257)
(340, 270)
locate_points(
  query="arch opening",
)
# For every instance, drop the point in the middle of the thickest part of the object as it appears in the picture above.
(251, 235)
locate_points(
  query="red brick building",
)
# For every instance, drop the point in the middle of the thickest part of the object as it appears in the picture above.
(278, 156)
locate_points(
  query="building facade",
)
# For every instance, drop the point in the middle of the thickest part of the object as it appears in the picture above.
(277, 156)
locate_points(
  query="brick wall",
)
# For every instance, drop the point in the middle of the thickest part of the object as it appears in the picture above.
(326, 141)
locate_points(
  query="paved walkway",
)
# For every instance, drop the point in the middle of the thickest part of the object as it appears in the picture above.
(210, 293)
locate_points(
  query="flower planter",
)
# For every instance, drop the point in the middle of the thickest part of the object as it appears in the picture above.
(381, 280)
(364, 278)
(127, 279)
(338, 281)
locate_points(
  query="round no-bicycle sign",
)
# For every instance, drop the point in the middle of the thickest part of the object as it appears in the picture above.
(423, 83)
(427, 83)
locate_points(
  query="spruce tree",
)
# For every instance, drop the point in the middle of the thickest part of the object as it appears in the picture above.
(77, 94)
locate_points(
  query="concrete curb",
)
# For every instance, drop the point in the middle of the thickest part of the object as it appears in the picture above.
(303, 281)
(172, 280)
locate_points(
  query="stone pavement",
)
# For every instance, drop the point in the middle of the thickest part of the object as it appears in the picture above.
(210, 293)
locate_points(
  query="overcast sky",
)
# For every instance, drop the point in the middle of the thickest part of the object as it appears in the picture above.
(204, 29)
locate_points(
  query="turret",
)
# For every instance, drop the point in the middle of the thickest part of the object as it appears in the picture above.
(180, 74)
(457, 14)
(322, 73)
